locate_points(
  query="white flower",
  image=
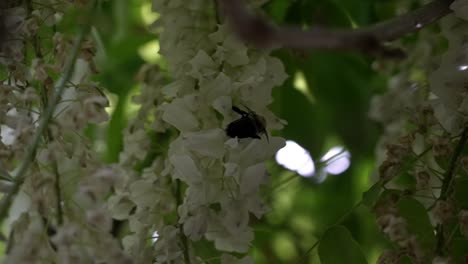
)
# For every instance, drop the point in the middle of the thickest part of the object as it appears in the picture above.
(211, 89)
(225, 240)
(173, 89)
(196, 224)
(185, 168)
(99, 218)
(252, 178)
(209, 143)
(94, 109)
(178, 114)
(142, 193)
(135, 143)
(460, 7)
(229, 49)
(120, 206)
(202, 66)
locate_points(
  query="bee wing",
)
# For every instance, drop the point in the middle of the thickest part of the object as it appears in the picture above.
(239, 111)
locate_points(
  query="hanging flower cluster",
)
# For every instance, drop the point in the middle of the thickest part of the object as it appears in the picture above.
(60, 214)
(210, 180)
(422, 208)
(449, 82)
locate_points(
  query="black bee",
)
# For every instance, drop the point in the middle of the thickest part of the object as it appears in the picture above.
(250, 125)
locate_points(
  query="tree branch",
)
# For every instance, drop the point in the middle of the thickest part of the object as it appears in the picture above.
(259, 32)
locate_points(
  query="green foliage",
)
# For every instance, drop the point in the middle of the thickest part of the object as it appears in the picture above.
(338, 246)
(461, 186)
(370, 197)
(418, 221)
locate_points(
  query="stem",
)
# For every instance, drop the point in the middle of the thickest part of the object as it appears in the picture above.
(58, 194)
(446, 184)
(35, 39)
(256, 30)
(448, 178)
(21, 175)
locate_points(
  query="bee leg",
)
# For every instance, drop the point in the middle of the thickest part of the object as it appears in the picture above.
(239, 111)
(257, 137)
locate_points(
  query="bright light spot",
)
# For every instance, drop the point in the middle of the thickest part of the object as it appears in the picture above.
(462, 67)
(155, 236)
(7, 135)
(296, 158)
(149, 52)
(418, 25)
(337, 160)
(113, 99)
(300, 84)
(147, 14)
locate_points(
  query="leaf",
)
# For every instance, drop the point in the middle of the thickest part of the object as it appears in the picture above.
(338, 246)
(278, 9)
(405, 180)
(418, 221)
(358, 14)
(459, 248)
(370, 197)
(461, 186)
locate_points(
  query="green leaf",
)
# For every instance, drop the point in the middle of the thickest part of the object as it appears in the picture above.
(405, 180)
(338, 246)
(278, 9)
(418, 221)
(370, 197)
(461, 186)
(358, 14)
(459, 248)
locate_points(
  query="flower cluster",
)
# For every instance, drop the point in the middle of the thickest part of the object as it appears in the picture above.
(449, 81)
(60, 214)
(422, 166)
(210, 180)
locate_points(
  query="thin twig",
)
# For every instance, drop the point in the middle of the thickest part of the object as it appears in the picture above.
(259, 32)
(58, 193)
(45, 118)
(448, 177)
(338, 222)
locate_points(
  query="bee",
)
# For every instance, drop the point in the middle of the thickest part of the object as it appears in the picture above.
(249, 125)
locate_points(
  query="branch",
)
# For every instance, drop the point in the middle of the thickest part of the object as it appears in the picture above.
(21, 175)
(261, 33)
